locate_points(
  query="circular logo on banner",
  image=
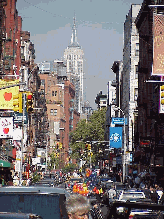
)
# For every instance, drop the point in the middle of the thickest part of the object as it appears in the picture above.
(115, 137)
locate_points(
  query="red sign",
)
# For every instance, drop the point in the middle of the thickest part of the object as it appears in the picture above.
(145, 143)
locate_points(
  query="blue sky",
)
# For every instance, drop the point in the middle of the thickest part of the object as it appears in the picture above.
(99, 32)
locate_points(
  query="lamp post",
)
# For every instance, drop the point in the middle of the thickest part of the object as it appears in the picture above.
(124, 154)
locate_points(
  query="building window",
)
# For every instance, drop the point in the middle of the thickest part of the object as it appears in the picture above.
(42, 82)
(135, 94)
(137, 49)
(136, 71)
(22, 50)
(42, 91)
(53, 93)
(51, 112)
(55, 112)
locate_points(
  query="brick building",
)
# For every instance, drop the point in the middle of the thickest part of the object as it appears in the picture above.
(59, 94)
(150, 130)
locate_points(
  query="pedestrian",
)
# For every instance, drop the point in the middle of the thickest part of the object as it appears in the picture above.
(78, 207)
(147, 192)
(112, 193)
(159, 191)
(153, 195)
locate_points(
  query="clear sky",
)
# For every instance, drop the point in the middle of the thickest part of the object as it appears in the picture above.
(99, 33)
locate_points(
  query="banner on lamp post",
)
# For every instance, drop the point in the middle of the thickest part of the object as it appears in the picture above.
(115, 137)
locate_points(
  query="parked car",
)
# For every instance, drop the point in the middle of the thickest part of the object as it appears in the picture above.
(12, 215)
(47, 202)
(131, 196)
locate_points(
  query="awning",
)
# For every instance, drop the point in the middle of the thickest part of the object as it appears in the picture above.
(4, 163)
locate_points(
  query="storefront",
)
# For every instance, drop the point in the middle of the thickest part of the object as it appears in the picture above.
(5, 171)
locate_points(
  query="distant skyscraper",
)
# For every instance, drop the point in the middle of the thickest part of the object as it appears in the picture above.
(73, 56)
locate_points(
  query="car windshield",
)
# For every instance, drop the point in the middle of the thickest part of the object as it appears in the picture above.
(131, 195)
(78, 180)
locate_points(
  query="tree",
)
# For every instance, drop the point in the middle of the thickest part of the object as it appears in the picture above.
(54, 160)
(70, 167)
(87, 131)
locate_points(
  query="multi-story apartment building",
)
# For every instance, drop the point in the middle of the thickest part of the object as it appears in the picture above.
(11, 47)
(150, 120)
(101, 100)
(117, 69)
(17, 62)
(60, 96)
(73, 56)
(130, 72)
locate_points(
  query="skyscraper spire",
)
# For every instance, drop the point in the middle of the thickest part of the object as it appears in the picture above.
(74, 42)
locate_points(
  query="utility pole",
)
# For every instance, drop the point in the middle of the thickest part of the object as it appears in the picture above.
(124, 147)
(22, 144)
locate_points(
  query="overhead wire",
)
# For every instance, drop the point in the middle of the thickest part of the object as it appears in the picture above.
(54, 15)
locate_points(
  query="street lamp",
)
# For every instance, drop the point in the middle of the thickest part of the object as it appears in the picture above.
(124, 154)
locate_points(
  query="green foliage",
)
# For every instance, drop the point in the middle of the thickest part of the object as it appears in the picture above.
(35, 177)
(69, 168)
(86, 131)
(53, 161)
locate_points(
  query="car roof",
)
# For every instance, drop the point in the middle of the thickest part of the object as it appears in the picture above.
(33, 189)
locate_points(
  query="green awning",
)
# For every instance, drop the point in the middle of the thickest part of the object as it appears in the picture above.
(4, 163)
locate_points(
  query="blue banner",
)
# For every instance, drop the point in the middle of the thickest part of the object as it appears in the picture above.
(115, 137)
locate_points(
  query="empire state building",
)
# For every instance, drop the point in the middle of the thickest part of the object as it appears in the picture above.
(73, 55)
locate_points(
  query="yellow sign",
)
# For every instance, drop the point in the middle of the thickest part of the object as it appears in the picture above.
(4, 83)
(6, 97)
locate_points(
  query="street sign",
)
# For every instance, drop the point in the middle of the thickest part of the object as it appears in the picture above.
(119, 121)
(18, 117)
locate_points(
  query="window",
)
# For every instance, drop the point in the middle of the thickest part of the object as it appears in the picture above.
(42, 91)
(53, 93)
(136, 71)
(137, 49)
(22, 50)
(42, 82)
(135, 94)
(51, 112)
(55, 112)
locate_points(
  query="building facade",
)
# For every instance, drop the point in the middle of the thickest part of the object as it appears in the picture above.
(60, 97)
(130, 72)
(73, 56)
(150, 120)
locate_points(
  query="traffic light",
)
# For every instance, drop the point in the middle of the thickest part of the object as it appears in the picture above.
(57, 145)
(162, 94)
(60, 145)
(17, 102)
(90, 154)
(29, 102)
(89, 147)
